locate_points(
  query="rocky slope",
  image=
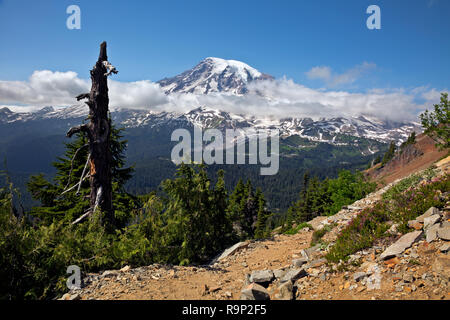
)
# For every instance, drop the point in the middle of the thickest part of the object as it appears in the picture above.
(414, 157)
(412, 266)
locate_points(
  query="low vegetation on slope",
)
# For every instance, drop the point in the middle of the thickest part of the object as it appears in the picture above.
(402, 203)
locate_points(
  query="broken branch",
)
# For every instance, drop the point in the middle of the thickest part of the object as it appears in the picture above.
(80, 128)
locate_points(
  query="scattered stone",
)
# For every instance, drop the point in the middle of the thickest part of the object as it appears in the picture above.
(109, 273)
(75, 296)
(445, 248)
(359, 276)
(441, 266)
(285, 291)
(360, 289)
(401, 245)
(308, 253)
(316, 263)
(125, 269)
(370, 267)
(232, 250)
(430, 221)
(374, 282)
(66, 296)
(399, 287)
(394, 229)
(428, 213)
(293, 274)
(262, 276)
(255, 292)
(392, 262)
(316, 223)
(279, 273)
(444, 233)
(415, 224)
(431, 233)
(408, 278)
(299, 262)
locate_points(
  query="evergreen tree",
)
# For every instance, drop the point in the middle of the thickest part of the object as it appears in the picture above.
(197, 224)
(234, 203)
(249, 211)
(243, 209)
(437, 122)
(389, 154)
(262, 228)
(67, 196)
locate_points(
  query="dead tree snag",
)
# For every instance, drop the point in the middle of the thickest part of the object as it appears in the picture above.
(98, 131)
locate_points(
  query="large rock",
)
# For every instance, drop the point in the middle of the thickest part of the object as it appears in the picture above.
(293, 275)
(431, 233)
(255, 292)
(401, 245)
(299, 262)
(262, 276)
(316, 263)
(414, 224)
(431, 221)
(430, 212)
(444, 233)
(285, 291)
(232, 250)
(279, 273)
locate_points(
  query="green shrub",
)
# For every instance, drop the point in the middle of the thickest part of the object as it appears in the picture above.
(399, 207)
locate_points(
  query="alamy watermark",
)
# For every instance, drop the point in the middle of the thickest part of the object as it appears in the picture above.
(374, 20)
(74, 281)
(74, 20)
(215, 148)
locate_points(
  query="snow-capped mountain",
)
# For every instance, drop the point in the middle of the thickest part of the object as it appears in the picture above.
(214, 75)
(322, 130)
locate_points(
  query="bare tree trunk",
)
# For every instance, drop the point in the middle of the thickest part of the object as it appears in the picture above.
(99, 134)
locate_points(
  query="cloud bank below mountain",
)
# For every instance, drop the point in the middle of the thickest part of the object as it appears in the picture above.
(269, 98)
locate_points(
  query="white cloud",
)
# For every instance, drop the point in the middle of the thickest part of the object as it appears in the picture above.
(48, 88)
(138, 95)
(272, 98)
(333, 80)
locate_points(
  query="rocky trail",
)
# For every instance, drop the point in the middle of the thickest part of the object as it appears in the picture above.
(411, 266)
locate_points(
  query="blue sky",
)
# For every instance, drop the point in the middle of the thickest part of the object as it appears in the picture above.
(154, 39)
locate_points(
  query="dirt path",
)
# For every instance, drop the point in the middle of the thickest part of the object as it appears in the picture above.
(223, 281)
